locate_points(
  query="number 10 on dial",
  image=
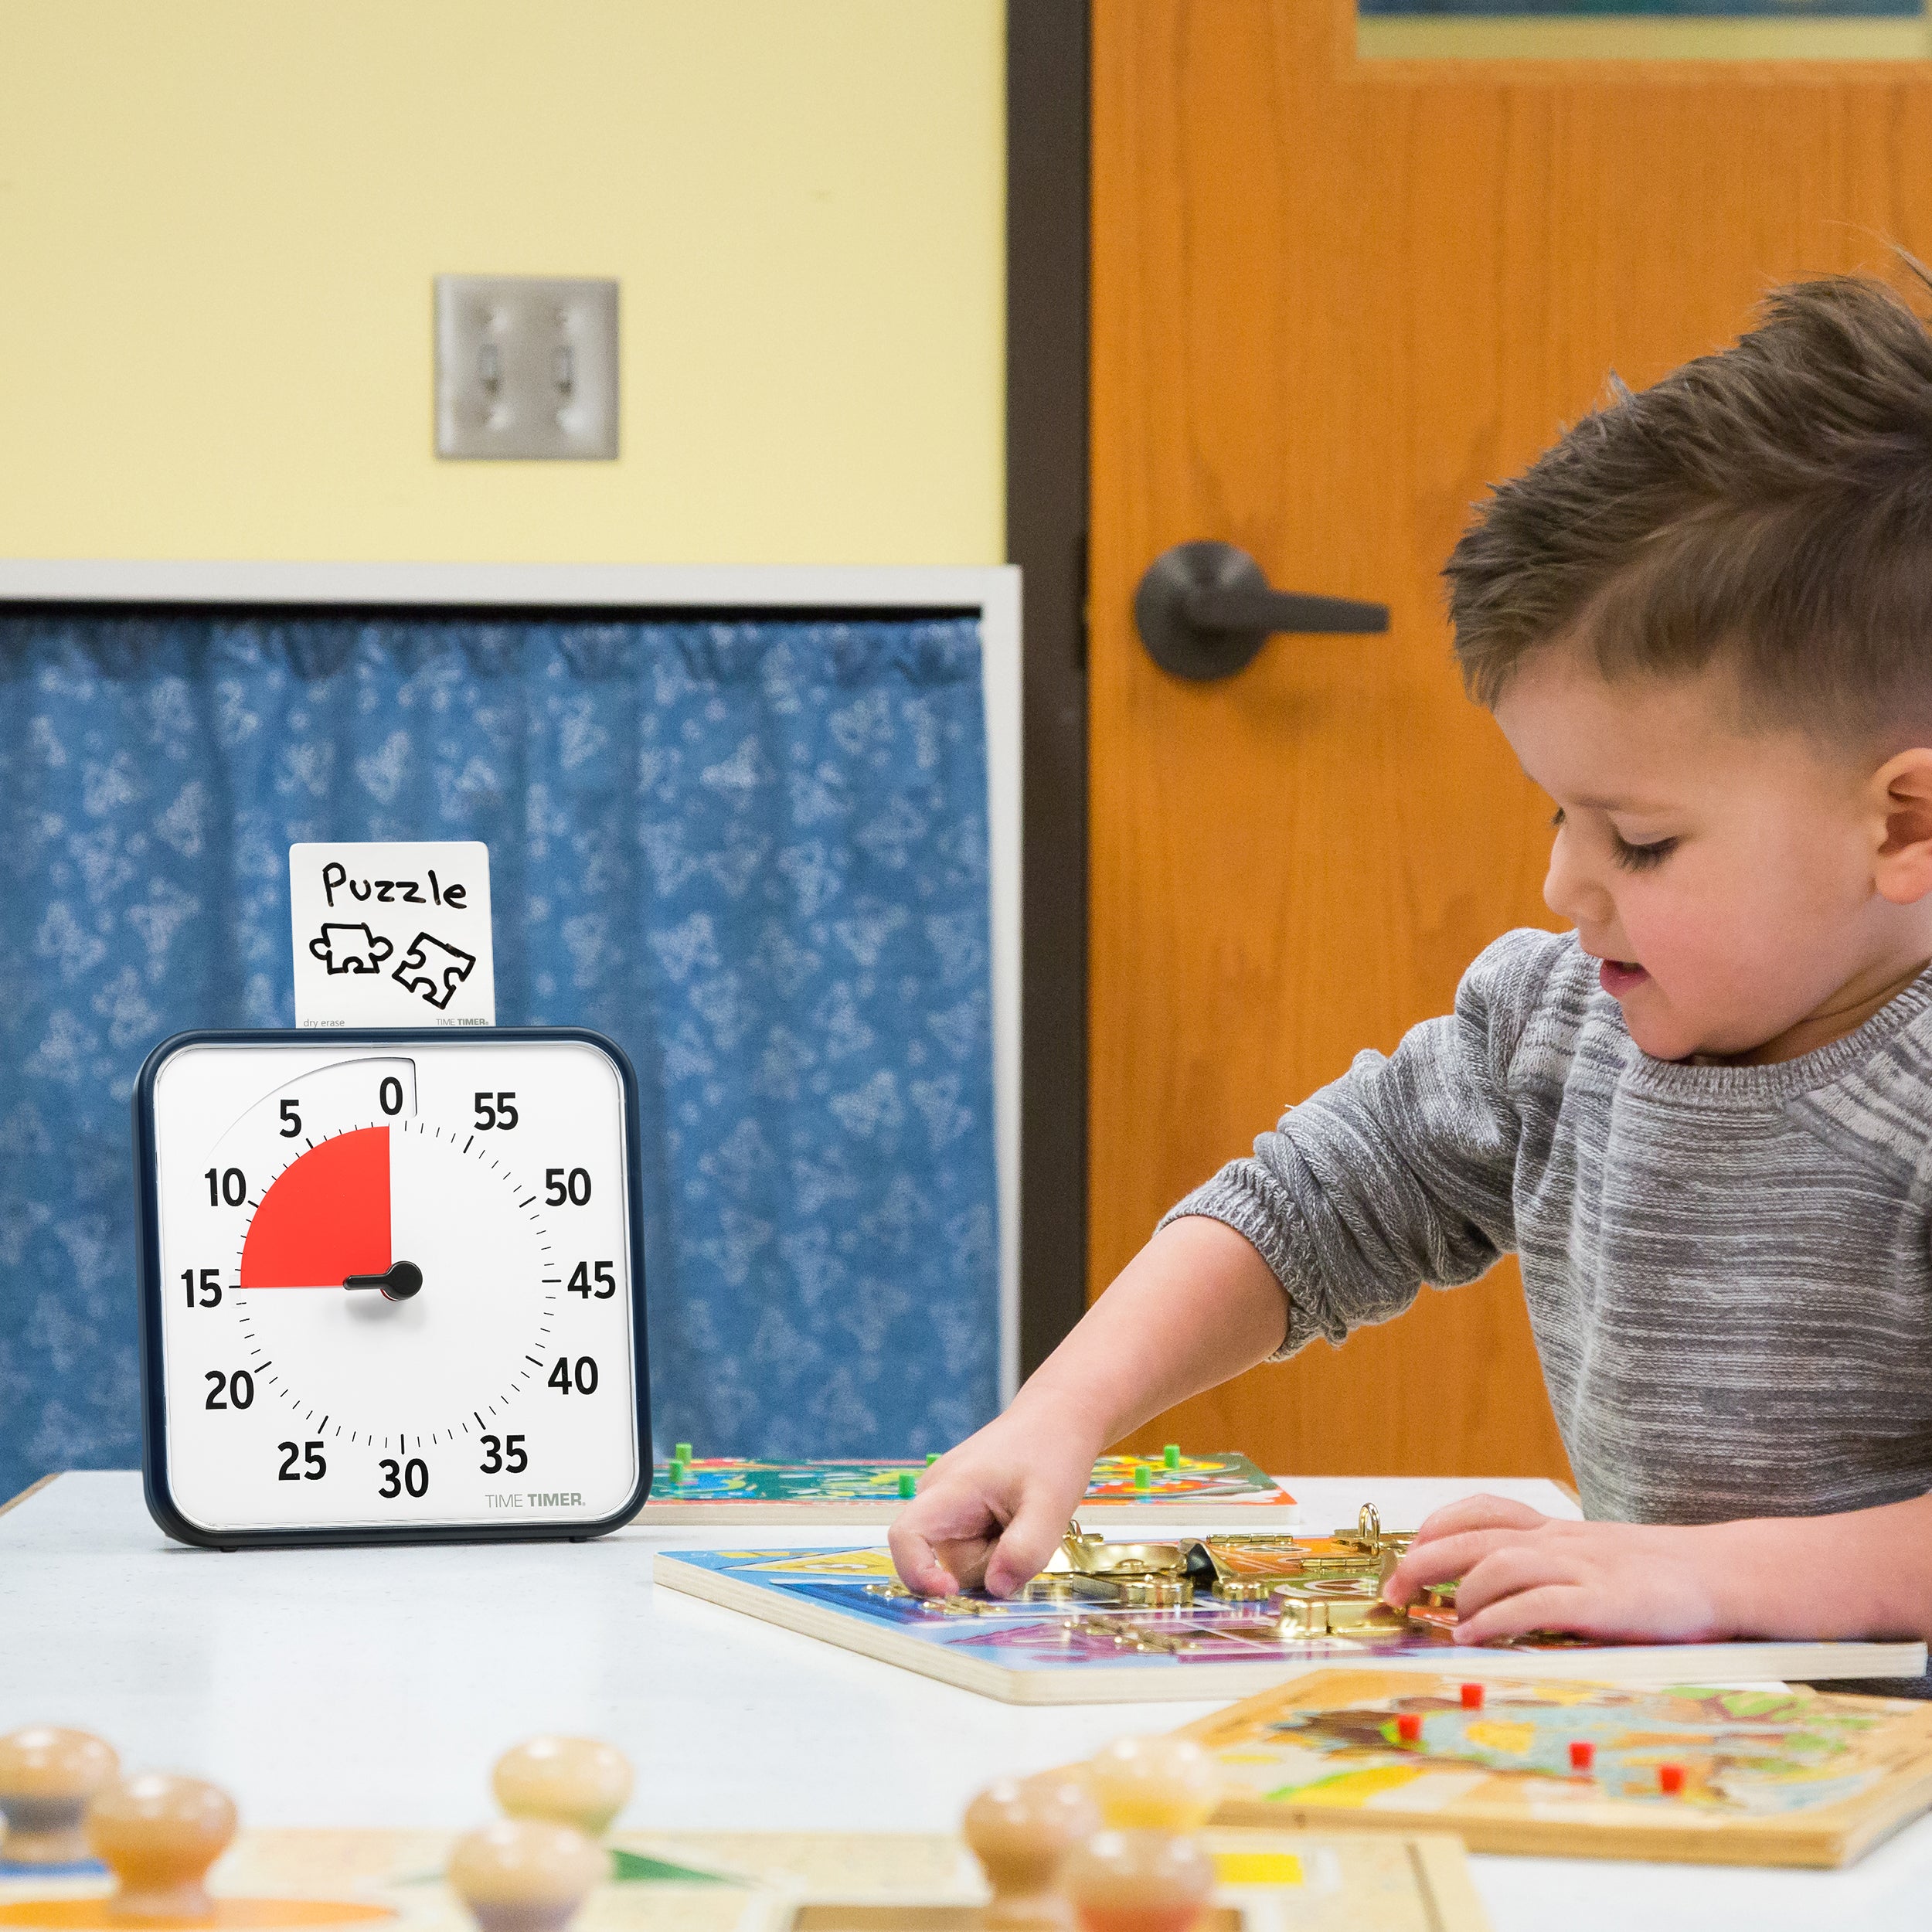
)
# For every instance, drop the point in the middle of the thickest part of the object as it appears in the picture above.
(393, 1286)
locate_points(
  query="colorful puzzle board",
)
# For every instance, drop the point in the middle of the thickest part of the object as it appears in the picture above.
(1322, 1881)
(1209, 1490)
(1771, 1775)
(1047, 1653)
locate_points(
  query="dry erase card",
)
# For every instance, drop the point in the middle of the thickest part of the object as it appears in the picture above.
(392, 935)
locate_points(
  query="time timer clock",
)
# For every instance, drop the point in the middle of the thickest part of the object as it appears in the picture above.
(392, 1286)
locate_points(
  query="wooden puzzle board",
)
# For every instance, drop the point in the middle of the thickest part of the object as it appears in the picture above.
(1772, 1774)
(1045, 1653)
(1321, 1881)
(1209, 1490)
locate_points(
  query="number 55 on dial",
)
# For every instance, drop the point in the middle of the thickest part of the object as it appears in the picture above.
(392, 1286)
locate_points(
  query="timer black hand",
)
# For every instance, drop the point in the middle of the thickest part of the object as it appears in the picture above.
(402, 1281)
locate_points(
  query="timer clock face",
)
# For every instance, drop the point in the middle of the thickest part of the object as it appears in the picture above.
(393, 1286)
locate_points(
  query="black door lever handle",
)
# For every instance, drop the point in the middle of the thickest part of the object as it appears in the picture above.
(1204, 609)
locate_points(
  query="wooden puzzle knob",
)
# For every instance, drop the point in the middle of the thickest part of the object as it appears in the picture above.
(158, 1834)
(1021, 1830)
(1162, 1784)
(569, 1780)
(1137, 1881)
(47, 1778)
(525, 1874)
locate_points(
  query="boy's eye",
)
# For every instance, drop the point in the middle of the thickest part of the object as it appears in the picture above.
(1631, 858)
(1641, 858)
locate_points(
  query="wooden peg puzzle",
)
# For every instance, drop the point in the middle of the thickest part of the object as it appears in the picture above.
(1763, 1775)
(48, 1776)
(1122, 1850)
(1201, 1491)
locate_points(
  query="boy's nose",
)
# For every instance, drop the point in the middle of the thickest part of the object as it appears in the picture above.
(1569, 891)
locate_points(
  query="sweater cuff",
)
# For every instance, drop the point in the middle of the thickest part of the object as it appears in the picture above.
(1238, 1197)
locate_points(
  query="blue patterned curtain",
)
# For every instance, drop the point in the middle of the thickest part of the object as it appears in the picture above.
(753, 852)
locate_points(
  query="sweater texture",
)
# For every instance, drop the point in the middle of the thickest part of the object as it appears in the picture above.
(1728, 1269)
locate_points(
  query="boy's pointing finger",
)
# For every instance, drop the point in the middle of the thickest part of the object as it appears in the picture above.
(919, 1569)
(1024, 1548)
(929, 1536)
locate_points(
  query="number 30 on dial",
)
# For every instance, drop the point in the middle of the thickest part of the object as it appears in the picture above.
(393, 1286)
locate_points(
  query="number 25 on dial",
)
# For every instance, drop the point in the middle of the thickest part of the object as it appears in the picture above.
(392, 1286)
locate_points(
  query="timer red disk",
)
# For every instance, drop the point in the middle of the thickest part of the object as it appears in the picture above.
(325, 1218)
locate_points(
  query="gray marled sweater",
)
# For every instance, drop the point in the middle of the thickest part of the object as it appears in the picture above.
(1728, 1270)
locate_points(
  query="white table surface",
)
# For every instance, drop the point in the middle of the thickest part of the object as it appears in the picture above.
(350, 1687)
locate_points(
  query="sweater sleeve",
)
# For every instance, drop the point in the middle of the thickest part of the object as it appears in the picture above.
(1401, 1171)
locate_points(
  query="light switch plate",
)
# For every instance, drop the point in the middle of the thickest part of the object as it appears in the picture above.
(526, 367)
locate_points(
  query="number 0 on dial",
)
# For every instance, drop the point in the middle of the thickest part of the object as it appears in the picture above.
(393, 1286)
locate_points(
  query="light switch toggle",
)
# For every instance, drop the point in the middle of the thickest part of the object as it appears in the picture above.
(525, 366)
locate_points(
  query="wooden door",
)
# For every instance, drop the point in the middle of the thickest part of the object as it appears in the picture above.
(1332, 300)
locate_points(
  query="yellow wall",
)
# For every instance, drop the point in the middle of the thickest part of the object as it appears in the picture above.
(218, 221)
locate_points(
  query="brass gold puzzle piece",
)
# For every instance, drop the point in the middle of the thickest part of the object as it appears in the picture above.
(1312, 1586)
(1094, 1555)
(1335, 1606)
(954, 1606)
(1316, 1585)
(1367, 1533)
(1435, 1608)
(1136, 1576)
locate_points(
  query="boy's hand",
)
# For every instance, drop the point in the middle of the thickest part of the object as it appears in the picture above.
(993, 1510)
(1522, 1571)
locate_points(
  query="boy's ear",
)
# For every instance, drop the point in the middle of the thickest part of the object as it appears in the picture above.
(1902, 789)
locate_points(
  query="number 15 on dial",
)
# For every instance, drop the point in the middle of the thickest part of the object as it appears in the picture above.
(392, 1286)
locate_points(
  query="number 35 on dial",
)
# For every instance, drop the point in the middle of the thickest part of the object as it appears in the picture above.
(392, 1287)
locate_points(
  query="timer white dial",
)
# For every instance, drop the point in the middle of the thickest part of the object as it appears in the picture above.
(393, 1286)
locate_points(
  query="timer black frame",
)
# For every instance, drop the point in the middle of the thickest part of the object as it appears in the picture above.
(154, 1434)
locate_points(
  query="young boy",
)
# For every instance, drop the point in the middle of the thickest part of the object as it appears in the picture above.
(1703, 1117)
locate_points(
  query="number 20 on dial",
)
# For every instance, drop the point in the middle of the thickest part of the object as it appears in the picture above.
(393, 1286)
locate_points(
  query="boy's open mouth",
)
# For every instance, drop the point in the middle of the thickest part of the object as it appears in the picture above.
(1618, 977)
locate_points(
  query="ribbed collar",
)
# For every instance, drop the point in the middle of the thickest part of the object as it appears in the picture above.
(1784, 1080)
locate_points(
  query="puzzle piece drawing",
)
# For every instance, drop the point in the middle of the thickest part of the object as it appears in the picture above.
(350, 949)
(434, 969)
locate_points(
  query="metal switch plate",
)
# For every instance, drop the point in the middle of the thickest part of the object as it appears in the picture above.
(526, 367)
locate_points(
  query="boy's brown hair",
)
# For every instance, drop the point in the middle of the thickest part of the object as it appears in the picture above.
(1772, 503)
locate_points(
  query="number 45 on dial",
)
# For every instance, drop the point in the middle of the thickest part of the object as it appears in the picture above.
(392, 1286)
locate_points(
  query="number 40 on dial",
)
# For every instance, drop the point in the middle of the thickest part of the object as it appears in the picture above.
(393, 1286)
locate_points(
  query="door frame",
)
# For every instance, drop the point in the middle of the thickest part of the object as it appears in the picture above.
(1048, 188)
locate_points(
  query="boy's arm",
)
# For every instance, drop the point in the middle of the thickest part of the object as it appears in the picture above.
(1197, 1305)
(1864, 1573)
(1400, 1172)
(1404, 1170)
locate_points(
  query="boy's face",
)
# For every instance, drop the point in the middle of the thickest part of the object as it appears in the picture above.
(1726, 879)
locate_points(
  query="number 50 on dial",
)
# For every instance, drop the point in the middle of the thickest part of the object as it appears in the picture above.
(392, 1286)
